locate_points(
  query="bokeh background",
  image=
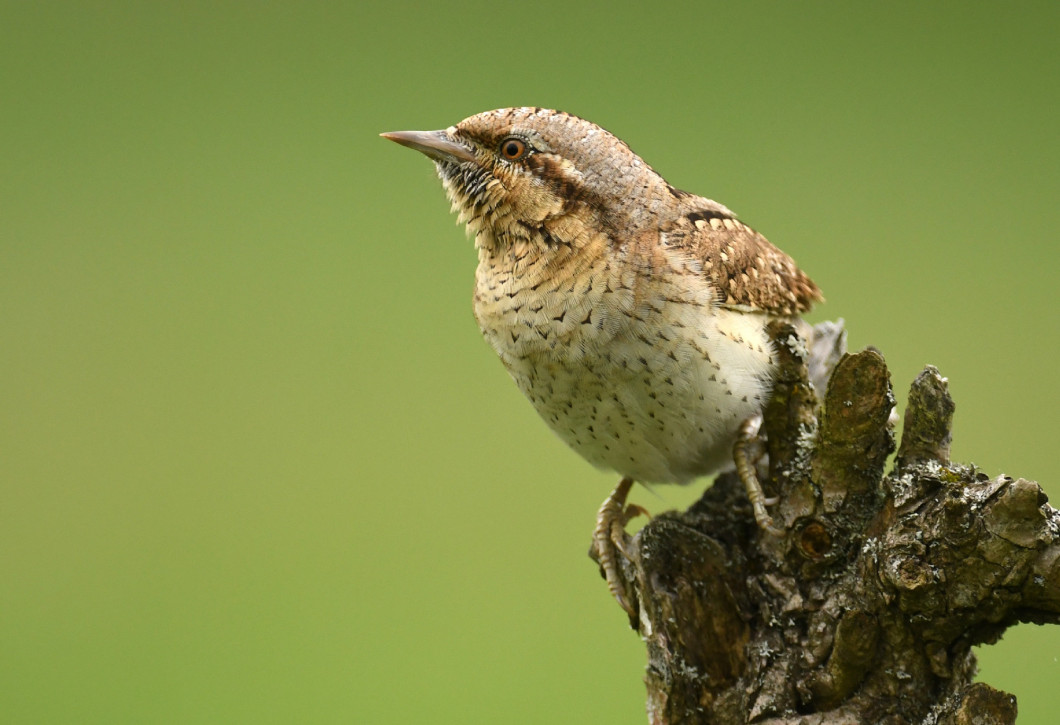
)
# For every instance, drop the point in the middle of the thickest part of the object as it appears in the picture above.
(256, 464)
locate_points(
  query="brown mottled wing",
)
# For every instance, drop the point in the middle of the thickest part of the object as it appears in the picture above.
(747, 270)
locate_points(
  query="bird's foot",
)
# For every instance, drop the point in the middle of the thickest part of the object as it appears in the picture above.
(743, 453)
(610, 541)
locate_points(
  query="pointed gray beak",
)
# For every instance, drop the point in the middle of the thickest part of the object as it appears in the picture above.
(435, 144)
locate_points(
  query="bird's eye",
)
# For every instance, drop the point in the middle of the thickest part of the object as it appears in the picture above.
(513, 149)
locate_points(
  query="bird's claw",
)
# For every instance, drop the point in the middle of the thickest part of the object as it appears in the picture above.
(610, 541)
(746, 440)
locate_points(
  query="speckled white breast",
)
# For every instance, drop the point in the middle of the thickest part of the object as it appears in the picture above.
(648, 378)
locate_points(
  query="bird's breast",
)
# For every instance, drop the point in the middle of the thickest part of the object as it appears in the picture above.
(639, 372)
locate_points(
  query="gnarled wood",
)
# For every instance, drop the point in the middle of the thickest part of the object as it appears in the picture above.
(867, 607)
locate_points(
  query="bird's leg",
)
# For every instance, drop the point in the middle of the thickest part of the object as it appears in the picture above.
(610, 540)
(746, 440)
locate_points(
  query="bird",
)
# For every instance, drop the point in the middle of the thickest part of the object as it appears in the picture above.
(632, 315)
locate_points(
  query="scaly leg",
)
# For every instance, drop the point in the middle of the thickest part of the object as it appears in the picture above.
(609, 542)
(745, 469)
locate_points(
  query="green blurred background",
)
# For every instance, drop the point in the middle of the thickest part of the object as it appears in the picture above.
(257, 464)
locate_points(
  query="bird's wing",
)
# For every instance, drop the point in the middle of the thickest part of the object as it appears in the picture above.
(748, 272)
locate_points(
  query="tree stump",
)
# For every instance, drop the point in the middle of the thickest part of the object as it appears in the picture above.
(865, 610)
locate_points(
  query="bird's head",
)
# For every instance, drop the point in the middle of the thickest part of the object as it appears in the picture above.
(534, 174)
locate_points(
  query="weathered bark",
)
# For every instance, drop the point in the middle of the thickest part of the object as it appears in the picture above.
(866, 609)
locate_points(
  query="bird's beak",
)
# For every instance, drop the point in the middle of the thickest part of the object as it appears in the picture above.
(436, 144)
